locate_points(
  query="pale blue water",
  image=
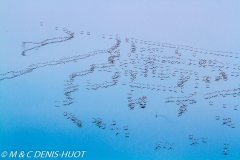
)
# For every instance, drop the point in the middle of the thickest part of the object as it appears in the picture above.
(65, 38)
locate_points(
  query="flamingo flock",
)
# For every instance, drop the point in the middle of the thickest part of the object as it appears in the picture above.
(141, 65)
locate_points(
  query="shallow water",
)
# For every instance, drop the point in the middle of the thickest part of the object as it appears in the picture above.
(109, 88)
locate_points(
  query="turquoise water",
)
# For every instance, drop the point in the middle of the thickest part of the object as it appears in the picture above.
(118, 80)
